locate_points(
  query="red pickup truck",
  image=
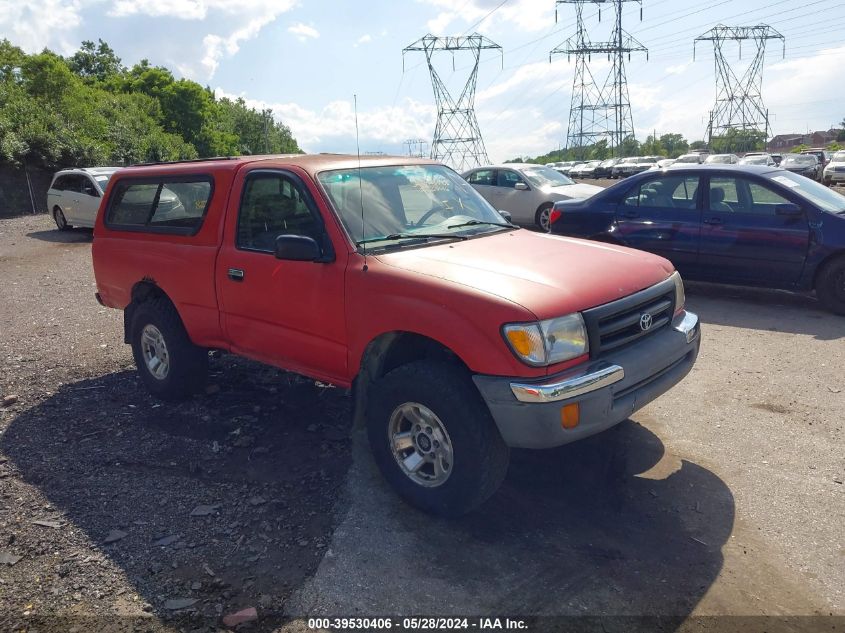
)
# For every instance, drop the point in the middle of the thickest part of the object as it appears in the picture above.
(459, 334)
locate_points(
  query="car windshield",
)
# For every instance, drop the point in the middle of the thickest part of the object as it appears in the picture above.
(823, 197)
(692, 158)
(545, 177)
(755, 160)
(608, 163)
(407, 203)
(718, 158)
(102, 180)
(799, 159)
(839, 157)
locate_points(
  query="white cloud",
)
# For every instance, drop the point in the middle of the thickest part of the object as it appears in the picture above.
(244, 22)
(332, 127)
(183, 9)
(525, 15)
(364, 39)
(303, 31)
(34, 25)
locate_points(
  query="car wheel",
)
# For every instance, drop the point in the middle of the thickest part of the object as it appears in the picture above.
(170, 365)
(541, 218)
(60, 220)
(433, 438)
(830, 286)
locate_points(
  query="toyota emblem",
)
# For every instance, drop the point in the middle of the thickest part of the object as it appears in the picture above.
(645, 321)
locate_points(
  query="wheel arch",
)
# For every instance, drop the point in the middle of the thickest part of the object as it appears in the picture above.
(836, 255)
(390, 350)
(144, 290)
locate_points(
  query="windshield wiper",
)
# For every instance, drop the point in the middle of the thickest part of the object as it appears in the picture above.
(477, 222)
(393, 237)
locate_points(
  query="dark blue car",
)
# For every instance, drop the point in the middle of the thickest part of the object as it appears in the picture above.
(740, 224)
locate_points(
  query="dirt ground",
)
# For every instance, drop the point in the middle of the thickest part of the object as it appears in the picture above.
(722, 498)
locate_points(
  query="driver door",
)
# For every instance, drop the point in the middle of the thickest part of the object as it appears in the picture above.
(520, 202)
(285, 313)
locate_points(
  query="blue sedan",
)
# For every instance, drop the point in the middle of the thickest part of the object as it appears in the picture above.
(741, 224)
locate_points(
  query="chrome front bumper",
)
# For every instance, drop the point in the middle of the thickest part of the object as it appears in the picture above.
(597, 375)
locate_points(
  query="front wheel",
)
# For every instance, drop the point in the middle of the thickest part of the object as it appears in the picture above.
(433, 438)
(541, 218)
(60, 220)
(170, 365)
(830, 286)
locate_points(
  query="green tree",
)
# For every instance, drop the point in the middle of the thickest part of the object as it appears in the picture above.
(674, 144)
(630, 146)
(738, 140)
(652, 147)
(695, 145)
(600, 150)
(96, 62)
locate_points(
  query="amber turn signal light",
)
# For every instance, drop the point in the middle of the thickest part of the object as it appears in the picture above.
(570, 415)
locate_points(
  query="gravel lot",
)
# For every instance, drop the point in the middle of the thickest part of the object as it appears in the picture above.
(725, 496)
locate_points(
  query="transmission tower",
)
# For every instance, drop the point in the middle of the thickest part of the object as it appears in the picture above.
(599, 109)
(457, 139)
(739, 100)
(416, 146)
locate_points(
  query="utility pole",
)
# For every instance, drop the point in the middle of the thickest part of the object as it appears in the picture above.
(599, 109)
(739, 98)
(457, 138)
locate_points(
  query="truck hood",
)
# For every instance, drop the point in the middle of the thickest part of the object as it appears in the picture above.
(549, 275)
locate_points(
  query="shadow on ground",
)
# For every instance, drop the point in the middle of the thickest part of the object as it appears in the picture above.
(762, 309)
(599, 527)
(71, 236)
(223, 502)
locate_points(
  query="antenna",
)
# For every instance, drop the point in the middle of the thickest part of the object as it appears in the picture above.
(360, 184)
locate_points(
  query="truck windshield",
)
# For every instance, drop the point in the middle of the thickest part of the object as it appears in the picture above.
(408, 203)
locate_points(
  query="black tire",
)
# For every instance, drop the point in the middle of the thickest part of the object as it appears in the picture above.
(830, 285)
(480, 456)
(60, 220)
(187, 363)
(544, 208)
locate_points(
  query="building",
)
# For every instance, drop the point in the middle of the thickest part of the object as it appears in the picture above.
(787, 142)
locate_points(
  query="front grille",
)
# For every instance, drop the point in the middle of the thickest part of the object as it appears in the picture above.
(839, 169)
(616, 324)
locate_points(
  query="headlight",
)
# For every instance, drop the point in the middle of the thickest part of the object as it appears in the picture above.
(680, 297)
(548, 342)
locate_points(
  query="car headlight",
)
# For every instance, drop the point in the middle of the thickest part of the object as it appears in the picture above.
(680, 297)
(548, 342)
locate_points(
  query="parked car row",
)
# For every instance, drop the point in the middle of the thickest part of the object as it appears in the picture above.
(526, 191)
(741, 224)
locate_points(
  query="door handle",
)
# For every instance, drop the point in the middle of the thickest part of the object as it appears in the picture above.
(713, 221)
(236, 274)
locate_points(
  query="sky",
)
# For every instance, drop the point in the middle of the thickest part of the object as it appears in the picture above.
(308, 60)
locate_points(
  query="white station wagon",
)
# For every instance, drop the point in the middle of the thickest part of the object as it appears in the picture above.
(74, 195)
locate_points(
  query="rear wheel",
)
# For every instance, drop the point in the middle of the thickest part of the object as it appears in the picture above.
(60, 220)
(541, 218)
(830, 286)
(170, 365)
(433, 438)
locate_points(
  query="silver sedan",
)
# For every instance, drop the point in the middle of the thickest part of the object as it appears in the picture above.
(526, 191)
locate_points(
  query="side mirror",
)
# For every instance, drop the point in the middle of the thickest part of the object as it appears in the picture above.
(788, 209)
(507, 215)
(298, 248)
(520, 186)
